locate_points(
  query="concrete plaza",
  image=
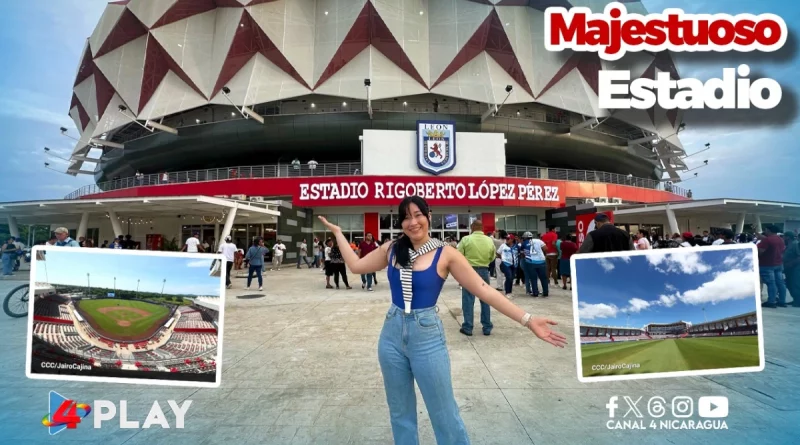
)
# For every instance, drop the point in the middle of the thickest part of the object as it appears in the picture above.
(300, 367)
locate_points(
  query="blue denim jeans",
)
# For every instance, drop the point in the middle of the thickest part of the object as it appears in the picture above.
(468, 306)
(8, 264)
(509, 273)
(257, 270)
(412, 347)
(532, 272)
(772, 276)
(368, 279)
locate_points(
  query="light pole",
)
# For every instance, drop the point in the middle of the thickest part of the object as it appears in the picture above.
(88, 283)
(137, 286)
(162, 286)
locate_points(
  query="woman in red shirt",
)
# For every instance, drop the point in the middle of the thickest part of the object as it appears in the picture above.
(568, 248)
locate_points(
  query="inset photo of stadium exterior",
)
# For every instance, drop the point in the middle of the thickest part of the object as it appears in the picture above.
(669, 313)
(125, 316)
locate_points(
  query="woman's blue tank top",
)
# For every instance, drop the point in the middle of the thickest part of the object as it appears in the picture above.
(427, 284)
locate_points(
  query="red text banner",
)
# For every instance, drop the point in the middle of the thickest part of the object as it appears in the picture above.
(366, 191)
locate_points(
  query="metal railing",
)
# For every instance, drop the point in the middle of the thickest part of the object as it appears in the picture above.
(563, 174)
(353, 168)
(219, 174)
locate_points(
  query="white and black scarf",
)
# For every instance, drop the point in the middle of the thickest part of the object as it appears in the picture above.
(406, 271)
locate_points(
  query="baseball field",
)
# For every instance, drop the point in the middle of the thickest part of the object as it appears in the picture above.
(670, 355)
(123, 320)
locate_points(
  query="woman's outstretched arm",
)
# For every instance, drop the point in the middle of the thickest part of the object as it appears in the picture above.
(375, 261)
(461, 270)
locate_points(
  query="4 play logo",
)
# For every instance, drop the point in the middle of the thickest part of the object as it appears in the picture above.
(64, 413)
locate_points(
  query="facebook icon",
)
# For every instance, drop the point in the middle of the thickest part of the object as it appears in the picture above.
(612, 406)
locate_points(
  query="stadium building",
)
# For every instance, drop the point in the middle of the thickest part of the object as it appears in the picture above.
(294, 108)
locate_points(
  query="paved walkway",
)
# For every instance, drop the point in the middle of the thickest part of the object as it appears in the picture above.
(300, 367)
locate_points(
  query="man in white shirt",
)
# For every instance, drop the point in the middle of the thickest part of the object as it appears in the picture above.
(228, 249)
(277, 255)
(303, 254)
(192, 245)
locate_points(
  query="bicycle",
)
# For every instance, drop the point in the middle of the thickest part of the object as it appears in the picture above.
(16, 303)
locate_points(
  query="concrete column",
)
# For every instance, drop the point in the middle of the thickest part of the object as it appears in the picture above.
(217, 240)
(758, 223)
(228, 223)
(740, 224)
(673, 222)
(115, 225)
(12, 226)
(83, 226)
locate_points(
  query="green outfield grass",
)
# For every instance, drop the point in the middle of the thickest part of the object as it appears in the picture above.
(104, 315)
(670, 355)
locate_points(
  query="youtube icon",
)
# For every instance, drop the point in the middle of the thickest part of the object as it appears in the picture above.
(714, 407)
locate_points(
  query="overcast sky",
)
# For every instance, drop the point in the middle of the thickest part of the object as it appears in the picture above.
(42, 42)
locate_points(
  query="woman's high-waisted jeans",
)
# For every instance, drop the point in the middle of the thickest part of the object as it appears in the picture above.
(412, 347)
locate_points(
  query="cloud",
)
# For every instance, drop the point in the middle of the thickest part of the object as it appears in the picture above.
(199, 263)
(27, 105)
(625, 259)
(729, 285)
(742, 260)
(667, 300)
(601, 310)
(57, 187)
(606, 264)
(671, 287)
(678, 261)
(637, 305)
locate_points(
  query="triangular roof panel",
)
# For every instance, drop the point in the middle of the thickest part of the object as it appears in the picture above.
(123, 69)
(334, 20)
(108, 21)
(128, 28)
(171, 96)
(452, 24)
(150, 11)
(189, 42)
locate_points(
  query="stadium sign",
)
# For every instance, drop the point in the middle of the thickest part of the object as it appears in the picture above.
(475, 191)
(436, 146)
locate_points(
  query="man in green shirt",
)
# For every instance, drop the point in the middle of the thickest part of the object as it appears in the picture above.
(480, 252)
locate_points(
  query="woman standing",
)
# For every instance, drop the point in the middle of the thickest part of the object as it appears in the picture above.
(327, 268)
(255, 257)
(9, 253)
(412, 344)
(508, 262)
(337, 263)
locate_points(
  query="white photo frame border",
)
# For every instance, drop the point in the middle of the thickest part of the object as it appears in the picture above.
(655, 375)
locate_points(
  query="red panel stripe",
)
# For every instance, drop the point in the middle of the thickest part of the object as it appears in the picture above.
(87, 67)
(541, 5)
(492, 38)
(51, 319)
(104, 89)
(249, 40)
(157, 63)
(369, 29)
(372, 224)
(474, 46)
(82, 114)
(127, 29)
(356, 40)
(499, 47)
(488, 222)
(183, 9)
(384, 41)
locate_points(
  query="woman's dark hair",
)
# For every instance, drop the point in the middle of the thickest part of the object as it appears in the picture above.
(403, 243)
(502, 234)
(256, 240)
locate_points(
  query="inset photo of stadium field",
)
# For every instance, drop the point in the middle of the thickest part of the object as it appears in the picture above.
(125, 316)
(667, 313)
